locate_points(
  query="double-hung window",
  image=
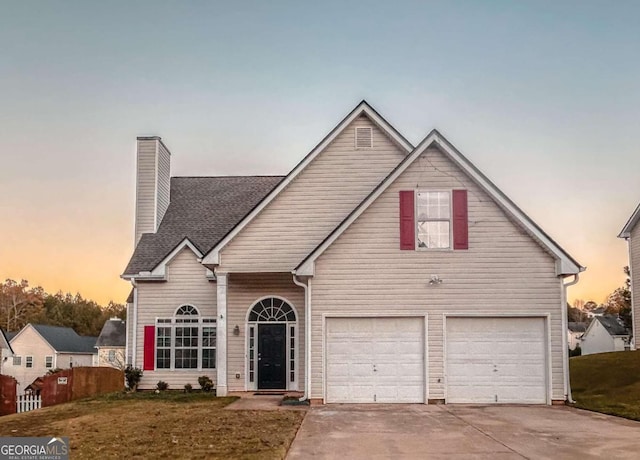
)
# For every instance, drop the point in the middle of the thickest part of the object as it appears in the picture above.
(433, 219)
(186, 341)
(29, 361)
(48, 362)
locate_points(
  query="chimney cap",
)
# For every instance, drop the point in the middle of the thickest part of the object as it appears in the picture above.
(149, 138)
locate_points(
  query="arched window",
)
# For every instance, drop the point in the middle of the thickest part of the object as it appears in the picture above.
(272, 309)
(186, 310)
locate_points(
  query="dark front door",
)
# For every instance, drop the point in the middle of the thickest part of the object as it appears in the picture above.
(272, 359)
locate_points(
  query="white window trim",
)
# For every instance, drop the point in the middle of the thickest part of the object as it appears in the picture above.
(17, 358)
(171, 323)
(450, 220)
(45, 362)
(27, 360)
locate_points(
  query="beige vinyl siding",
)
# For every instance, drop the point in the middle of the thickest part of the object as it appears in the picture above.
(103, 357)
(163, 182)
(503, 271)
(634, 255)
(145, 188)
(29, 343)
(130, 328)
(302, 215)
(243, 291)
(186, 284)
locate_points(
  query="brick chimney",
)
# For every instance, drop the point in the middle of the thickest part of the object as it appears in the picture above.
(153, 164)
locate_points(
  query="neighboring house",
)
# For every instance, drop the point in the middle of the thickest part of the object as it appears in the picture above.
(600, 311)
(605, 333)
(111, 343)
(39, 348)
(375, 271)
(631, 233)
(6, 351)
(574, 333)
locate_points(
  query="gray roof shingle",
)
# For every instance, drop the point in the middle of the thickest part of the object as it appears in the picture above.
(66, 340)
(113, 334)
(202, 209)
(575, 326)
(612, 324)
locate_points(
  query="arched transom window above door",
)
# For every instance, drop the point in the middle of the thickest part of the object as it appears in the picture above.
(272, 309)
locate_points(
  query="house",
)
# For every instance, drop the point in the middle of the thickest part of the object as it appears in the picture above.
(374, 271)
(574, 333)
(6, 351)
(111, 343)
(39, 348)
(605, 333)
(600, 311)
(631, 233)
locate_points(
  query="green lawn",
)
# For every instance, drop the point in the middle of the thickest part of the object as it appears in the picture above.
(607, 383)
(166, 425)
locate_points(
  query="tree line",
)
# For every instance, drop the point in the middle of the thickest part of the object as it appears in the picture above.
(21, 304)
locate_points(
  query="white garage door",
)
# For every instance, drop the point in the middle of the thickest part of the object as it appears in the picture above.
(375, 360)
(496, 360)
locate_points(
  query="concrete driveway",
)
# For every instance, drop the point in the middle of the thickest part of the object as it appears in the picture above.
(438, 431)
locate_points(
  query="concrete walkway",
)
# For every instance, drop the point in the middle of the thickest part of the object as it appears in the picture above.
(474, 432)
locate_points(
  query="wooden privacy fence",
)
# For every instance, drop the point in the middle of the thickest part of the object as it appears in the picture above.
(8, 387)
(28, 402)
(80, 382)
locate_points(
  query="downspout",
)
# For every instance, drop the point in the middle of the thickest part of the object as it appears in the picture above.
(134, 335)
(307, 337)
(565, 344)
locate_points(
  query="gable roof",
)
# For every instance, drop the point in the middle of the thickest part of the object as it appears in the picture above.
(612, 324)
(565, 264)
(575, 326)
(4, 340)
(202, 210)
(631, 223)
(63, 339)
(212, 256)
(113, 334)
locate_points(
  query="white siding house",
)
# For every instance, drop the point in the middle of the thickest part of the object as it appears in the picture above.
(375, 271)
(38, 349)
(605, 334)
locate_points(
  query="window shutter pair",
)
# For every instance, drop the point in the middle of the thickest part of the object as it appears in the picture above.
(149, 362)
(460, 220)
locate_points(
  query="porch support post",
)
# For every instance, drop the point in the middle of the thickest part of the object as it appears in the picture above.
(221, 335)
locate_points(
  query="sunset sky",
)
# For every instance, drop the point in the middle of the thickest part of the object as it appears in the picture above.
(542, 96)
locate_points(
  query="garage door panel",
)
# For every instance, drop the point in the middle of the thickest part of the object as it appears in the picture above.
(497, 359)
(394, 345)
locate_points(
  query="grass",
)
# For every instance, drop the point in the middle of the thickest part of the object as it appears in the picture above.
(607, 383)
(165, 425)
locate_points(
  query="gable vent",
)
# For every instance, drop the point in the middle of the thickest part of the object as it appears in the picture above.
(364, 138)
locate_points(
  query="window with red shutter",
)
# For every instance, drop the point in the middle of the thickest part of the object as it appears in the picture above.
(149, 348)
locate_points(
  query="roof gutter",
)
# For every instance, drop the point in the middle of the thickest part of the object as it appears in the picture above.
(307, 333)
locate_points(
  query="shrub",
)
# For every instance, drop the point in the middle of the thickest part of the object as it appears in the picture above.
(162, 385)
(575, 352)
(132, 376)
(205, 383)
(188, 388)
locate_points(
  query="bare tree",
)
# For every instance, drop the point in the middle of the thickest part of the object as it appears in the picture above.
(19, 303)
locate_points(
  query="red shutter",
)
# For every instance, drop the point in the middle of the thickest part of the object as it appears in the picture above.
(460, 220)
(149, 348)
(407, 220)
